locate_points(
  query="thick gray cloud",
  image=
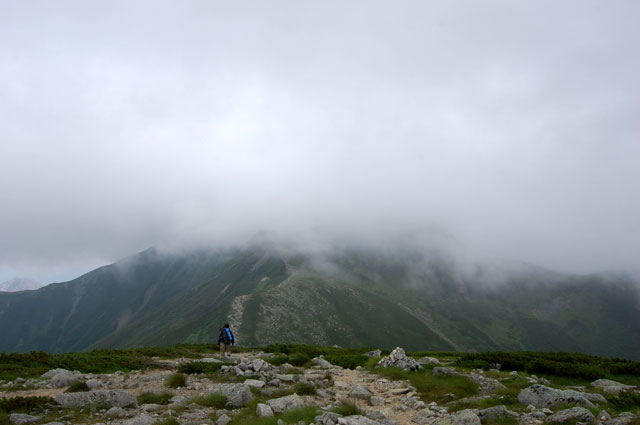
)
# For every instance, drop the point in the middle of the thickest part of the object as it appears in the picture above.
(507, 129)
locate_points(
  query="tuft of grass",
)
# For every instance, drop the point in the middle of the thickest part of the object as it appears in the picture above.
(626, 400)
(304, 414)
(347, 409)
(176, 380)
(302, 388)
(154, 398)
(77, 387)
(212, 400)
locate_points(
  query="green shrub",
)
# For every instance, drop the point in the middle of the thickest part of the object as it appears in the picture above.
(212, 400)
(23, 404)
(176, 380)
(299, 359)
(626, 400)
(77, 387)
(154, 398)
(347, 409)
(199, 367)
(302, 388)
(169, 421)
(347, 361)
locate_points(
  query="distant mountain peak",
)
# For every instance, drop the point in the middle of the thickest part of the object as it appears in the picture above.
(19, 284)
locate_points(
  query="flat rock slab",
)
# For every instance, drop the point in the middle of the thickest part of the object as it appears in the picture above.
(284, 404)
(108, 398)
(23, 418)
(542, 396)
(356, 420)
(238, 395)
(574, 414)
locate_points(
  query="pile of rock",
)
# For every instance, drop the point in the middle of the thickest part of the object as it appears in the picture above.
(399, 359)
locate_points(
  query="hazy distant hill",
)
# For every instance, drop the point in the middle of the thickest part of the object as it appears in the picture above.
(352, 298)
(19, 284)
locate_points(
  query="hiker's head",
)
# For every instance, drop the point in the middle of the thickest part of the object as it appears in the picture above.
(226, 325)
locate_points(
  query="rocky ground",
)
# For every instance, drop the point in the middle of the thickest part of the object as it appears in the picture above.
(249, 388)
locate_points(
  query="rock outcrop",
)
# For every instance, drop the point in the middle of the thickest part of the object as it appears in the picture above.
(543, 396)
(399, 359)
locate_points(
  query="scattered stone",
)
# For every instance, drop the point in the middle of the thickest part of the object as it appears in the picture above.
(64, 379)
(322, 363)
(109, 398)
(373, 353)
(611, 387)
(223, 420)
(115, 412)
(463, 417)
(495, 412)
(238, 395)
(356, 420)
(257, 365)
(574, 414)
(429, 360)
(53, 372)
(624, 419)
(23, 418)
(486, 385)
(542, 396)
(93, 384)
(400, 391)
(179, 399)
(358, 391)
(140, 420)
(254, 383)
(264, 411)
(444, 371)
(603, 416)
(376, 401)
(286, 378)
(284, 404)
(399, 359)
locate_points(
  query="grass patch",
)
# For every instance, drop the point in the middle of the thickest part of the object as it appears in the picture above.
(347, 409)
(176, 380)
(169, 421)
(305, 414)
(77, 387)
(430, 387)
(347, 361)
(626, 400)
(21, 405)
(302, 388)
(212, 400)
(154, 398)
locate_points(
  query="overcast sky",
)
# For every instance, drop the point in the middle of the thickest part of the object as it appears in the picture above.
(509, 129)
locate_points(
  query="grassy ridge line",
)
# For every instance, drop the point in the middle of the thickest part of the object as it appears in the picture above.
(35, 363)
(567, 365)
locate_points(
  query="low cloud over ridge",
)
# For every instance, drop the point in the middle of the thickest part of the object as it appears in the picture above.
(506, 130)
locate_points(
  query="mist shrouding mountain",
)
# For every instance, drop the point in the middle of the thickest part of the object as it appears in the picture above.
(350, 296)
(500, 130)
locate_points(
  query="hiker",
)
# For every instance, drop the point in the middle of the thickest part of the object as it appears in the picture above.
(226, 340)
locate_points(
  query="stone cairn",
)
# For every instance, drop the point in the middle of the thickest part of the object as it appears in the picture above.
(399, 359)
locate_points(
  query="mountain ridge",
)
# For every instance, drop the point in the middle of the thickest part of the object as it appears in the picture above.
(355, 298)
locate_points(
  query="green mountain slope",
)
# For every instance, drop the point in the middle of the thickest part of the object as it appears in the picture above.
(353, 298)
(71, 316)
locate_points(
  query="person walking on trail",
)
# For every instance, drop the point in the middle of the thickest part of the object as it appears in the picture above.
(226, 340)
